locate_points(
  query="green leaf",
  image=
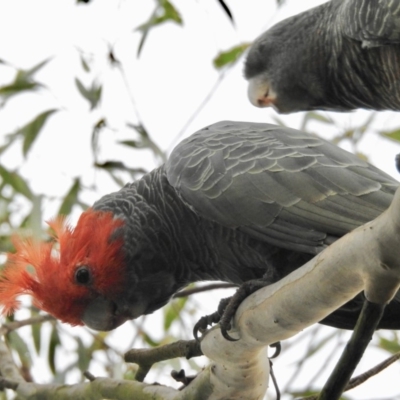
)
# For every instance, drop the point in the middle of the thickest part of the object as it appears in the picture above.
(118, 165)
(31, 130)
(392, 346)
(131, 143)
(9, 139)
(85, 64)
(71, 198)
(163, 12)
(112, 166)
(97, 128)
(147, 338)
(230, 56)
(91, 94)
(22, 82)
(84, 355)
(99, 342)
(21, 348)
(172, 311)
(17, 87)
(53, 343)
(30, 72)
(34, 220)
(16, 182)
(36, 332)
(393, 135)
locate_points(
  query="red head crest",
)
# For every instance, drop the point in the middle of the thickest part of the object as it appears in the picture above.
(48, 273)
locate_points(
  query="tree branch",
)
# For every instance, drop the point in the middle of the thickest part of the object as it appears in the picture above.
(145, 358)
(354, 350)
(12, 326)
(358, 380)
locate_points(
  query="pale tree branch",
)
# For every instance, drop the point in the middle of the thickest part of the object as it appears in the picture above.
(98, 389)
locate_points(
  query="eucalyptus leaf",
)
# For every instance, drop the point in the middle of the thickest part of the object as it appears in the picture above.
(393, 135)
(84, 355)
(22, 82)
(36, 330)
(172, 311)
(91, 94)
(85, 64)
(392, 346)
(31, 130)
(230, 56)
(18, 344)
(13, 179)
(71, 198)
(163, 12)
(53, 343)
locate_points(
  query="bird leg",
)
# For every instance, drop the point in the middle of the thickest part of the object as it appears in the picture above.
(367, 322)
(228, 307)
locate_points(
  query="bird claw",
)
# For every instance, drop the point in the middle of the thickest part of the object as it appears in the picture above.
(278, 349)
(227, 309)
(204, 322)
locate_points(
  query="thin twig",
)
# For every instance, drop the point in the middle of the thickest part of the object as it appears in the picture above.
(205, 288)
(12, 326)
(360, 379)
(145, 358)
(221, 77)
(121, 70)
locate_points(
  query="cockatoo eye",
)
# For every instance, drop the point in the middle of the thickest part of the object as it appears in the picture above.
(83, 275)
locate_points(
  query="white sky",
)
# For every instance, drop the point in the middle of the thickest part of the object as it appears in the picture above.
(168, 83)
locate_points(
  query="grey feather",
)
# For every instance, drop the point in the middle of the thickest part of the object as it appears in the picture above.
(307, 185)
(342, 55)
(239, 201)
(373, 23)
